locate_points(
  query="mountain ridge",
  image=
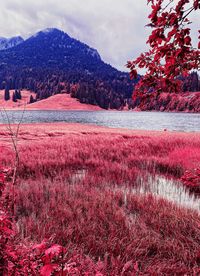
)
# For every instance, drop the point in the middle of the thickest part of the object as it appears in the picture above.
(7, 43)
(57, 50)
(50, 62)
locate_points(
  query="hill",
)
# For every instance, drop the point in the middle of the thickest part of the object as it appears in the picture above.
(61, 102)
(56, 102)
(51, 62)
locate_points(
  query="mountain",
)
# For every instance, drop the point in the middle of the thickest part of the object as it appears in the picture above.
(55, 49)
(52, 62)
(6, 43)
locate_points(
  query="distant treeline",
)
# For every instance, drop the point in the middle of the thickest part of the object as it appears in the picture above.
(111, 91)
(191, 83)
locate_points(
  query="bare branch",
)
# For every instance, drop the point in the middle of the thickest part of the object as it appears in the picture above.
(14, 139)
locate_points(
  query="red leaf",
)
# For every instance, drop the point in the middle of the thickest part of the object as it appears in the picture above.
(127, 266)
(48, 269)
(136, 266)
(54, 250)
(40, 247)
(2, 178)
(196, 4)
(133, 74)
(187, 40)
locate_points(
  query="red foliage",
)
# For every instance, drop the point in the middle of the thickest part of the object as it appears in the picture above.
(42, 259)
(6, 233)
(173, 102)
(191, 179)
(171, 52)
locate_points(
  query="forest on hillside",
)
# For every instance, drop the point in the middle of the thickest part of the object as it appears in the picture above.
(109, 92)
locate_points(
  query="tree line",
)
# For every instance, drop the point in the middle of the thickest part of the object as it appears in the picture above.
(110, 92)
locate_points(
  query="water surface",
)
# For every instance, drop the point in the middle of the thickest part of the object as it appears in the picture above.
(115, 119)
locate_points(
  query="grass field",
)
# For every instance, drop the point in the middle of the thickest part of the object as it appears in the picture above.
(77, 185)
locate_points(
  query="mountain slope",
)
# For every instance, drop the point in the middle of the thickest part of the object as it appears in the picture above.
(7, 43)
(56, 102)
(51, 62)
(53, 48)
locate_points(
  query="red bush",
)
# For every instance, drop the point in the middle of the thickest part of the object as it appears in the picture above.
(191, 179)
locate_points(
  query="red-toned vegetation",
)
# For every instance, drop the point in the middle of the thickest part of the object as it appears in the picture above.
(170, 102)
(191, 179)
(71, 202)
(171, 52)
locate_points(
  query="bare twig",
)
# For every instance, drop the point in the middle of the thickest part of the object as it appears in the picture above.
(14, 139)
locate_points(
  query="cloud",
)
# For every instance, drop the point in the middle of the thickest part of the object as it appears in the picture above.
(114, 27)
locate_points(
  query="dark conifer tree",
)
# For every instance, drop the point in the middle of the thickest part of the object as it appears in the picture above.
(14, 98)
(7, 94)
(18, 94)
(31, 99)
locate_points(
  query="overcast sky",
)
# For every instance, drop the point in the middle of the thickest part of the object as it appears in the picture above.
(114, 27)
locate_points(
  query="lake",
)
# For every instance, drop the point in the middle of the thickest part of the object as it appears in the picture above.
(115, 119)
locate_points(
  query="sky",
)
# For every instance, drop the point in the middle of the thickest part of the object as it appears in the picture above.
(116, 28)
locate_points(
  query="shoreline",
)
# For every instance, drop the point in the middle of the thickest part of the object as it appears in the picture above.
(37, 131)
(64, 102)
(99, 109)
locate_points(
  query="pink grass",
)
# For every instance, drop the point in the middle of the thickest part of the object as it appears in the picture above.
(71, 189)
